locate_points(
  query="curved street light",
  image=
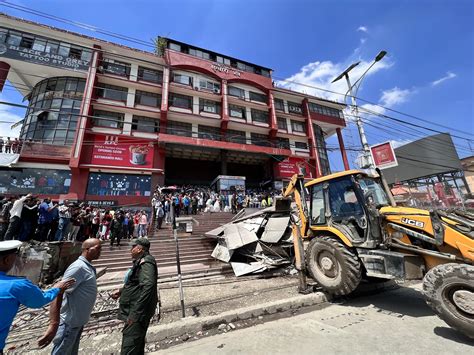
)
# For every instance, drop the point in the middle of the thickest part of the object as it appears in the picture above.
(367, 161)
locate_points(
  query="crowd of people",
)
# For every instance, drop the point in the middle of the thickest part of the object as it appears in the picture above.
(29, 218)
(10, 145)
(192, 199)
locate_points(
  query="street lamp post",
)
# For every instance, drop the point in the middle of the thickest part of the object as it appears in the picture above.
(367, 161)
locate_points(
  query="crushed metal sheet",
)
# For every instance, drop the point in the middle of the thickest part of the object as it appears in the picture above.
(256, 214)
(222, 253)
(236, 236)
(243, 268)
(252, 225)
(215, 232)
(275, 229)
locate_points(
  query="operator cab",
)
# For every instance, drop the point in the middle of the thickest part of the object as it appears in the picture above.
(349, 201)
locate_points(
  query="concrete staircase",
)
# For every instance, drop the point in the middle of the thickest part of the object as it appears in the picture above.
(195, 252)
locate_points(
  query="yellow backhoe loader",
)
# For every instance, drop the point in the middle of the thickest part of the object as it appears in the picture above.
(346, 227)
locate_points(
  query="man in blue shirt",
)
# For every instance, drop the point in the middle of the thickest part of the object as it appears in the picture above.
(44, 219)
(16, 290)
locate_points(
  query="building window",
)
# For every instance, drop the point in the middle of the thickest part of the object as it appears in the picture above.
(254, 96)
(322, 151)
(145, 124)
(199, 53)
(102, 184)
(207, 132)
(147, 99)
(279, 105)
(236, 136)
(301, 145)
(298, 127)
(222, 60)
(179, 128)
(259, 116)
(174, 46)
(108, 119)
(323, 110)
(237, 92)
(210, 86)
(182, 79)
(181, 101)
(114, 67)
(209, 106)
(283, 143)
(282, 123)
(112, 92)
(293, 107)
(150, 75)
(63, 95)
(260, 139)
(237, 111)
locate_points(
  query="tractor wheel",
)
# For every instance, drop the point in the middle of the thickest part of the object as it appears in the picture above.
(333, 266)
(449, 291)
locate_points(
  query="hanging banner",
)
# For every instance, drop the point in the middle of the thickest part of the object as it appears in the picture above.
(121, 152)
(291, 166)
(383, 155)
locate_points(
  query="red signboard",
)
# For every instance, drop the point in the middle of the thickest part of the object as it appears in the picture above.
(383, 155)
(290, 166)
(121, 151)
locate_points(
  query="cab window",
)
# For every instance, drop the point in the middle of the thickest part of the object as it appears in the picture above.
(343, 200)
(317, 205)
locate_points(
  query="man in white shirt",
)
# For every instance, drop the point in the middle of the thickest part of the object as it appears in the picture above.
(15, 218)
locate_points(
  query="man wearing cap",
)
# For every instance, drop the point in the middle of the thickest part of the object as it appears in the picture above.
(67, 317)
(17, 290)
(138, 298)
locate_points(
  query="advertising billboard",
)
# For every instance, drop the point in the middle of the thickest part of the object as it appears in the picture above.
(292, 165)
(383, 155)
(122, 152)
(425, 157)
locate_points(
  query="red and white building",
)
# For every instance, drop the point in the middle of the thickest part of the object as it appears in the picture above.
(108, 122)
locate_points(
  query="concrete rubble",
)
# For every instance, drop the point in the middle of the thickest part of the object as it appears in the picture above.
(255, 243)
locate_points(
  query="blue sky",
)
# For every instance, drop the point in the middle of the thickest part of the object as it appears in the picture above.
(428, 72)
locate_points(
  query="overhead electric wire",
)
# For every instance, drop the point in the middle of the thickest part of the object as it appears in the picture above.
(151, 44)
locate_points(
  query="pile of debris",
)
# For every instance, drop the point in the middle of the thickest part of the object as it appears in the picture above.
(255, 243)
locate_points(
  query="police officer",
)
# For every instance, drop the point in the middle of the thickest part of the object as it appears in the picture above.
(16, 290)
(138, 298)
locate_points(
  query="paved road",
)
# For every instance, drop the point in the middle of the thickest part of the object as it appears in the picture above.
(396, 321)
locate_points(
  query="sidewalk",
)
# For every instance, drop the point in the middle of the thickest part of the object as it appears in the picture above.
(212, 306)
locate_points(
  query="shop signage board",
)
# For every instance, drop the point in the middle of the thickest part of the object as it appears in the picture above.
(102, 203)
(383, 155)
(292, 165)
(121, 152)
(42, 57)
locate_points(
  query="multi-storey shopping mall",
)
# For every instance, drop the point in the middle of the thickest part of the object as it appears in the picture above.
(109, 122)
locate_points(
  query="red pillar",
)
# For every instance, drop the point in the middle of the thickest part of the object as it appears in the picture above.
(343, 149)
(4, 69)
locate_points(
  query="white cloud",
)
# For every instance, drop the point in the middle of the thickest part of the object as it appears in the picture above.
(363, 40)
(7, 115)
(363, 29)
(449, 75)
(394, 96)
(371, 109)
(315, 78)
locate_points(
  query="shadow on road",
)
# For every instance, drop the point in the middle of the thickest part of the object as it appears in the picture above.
(400, 302)
(453, 335)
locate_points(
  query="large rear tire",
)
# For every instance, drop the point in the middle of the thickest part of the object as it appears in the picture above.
(449, 291)
(333, 266)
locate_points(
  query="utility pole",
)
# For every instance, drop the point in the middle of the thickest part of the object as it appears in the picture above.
(367, 162)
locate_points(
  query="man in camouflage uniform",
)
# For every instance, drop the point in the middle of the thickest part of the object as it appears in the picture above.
(138, 298)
